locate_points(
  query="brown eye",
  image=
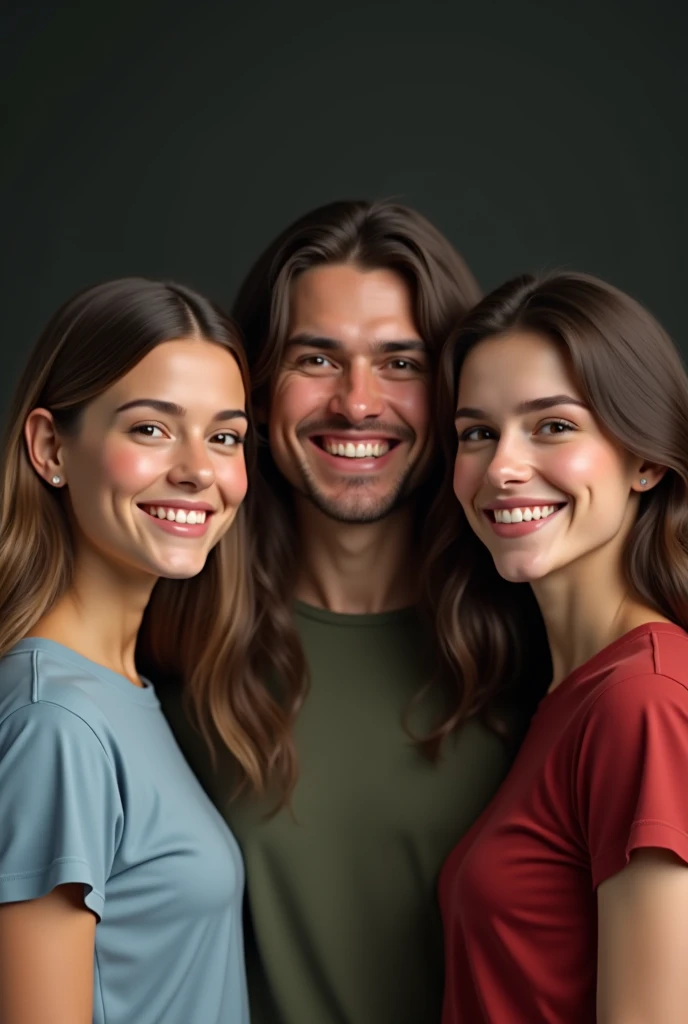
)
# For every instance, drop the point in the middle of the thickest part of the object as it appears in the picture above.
(147, 430)
(556, 427)
(227, 440)
(477, 434)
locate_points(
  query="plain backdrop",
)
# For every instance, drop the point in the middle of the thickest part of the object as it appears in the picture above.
(175, 139)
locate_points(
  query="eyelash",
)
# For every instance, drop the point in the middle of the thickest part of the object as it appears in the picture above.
(311, 361)
(140, 428)
(552, 422)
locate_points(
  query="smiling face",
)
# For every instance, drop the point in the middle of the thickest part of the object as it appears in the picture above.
(540, 483)
(155, 472)
(349, 410)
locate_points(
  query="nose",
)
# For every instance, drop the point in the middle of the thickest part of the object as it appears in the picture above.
(358, 394)
(509, 464)
(193, 469)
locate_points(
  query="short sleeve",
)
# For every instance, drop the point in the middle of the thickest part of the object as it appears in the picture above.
(60, 809)
(631, 778)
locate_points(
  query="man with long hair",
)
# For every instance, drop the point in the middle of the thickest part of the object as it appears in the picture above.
(375, 780)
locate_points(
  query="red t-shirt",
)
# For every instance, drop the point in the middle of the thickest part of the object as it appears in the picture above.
(603, 771)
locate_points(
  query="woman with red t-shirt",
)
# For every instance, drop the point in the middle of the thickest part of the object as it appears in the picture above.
(568, 900)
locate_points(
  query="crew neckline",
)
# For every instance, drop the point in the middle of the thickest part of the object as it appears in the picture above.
(346, 620)
(138, 694)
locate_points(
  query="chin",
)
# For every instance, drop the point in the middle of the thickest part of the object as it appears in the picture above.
(519, 572)
(182, 570)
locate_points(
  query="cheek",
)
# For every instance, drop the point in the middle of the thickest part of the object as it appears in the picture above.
(296, 398)
(468, 476)
(128, 468)
(116, 467)
(585, 466)
(232, 480)
(411, 400)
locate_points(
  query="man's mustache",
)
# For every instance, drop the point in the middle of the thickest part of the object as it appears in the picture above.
(342, 426)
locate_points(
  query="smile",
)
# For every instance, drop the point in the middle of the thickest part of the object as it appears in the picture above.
(175, 515)
(344, 448)
(525, 514)
(522, 520)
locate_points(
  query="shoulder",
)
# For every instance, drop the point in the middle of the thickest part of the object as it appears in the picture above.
(38, 692)
(647, 669)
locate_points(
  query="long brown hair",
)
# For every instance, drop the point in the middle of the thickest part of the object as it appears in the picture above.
(371, 236)
(200, 628)
(631, 377)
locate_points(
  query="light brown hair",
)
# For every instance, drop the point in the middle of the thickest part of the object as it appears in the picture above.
(371, 236)
(199, 628)
(631, 377)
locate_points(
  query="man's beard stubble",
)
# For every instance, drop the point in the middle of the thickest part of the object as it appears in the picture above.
(359, 509)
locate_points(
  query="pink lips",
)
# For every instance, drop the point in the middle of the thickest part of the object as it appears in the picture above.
(187, 530)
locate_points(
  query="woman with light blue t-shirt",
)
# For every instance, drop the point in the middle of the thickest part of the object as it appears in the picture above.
(124, 471)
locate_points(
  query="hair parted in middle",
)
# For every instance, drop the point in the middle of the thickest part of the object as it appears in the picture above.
(198, 628)
(631, 377)
(370, 236)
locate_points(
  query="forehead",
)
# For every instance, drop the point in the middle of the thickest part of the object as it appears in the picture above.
(519, 365)
(348, 304)
(189, 371)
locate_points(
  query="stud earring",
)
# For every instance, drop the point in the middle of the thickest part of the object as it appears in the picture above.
(57, 479)
(643, 481)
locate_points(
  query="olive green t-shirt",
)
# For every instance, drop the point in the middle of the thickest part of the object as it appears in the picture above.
(342, 922)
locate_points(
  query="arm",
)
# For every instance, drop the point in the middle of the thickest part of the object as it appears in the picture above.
(643, 941)
(46, 959)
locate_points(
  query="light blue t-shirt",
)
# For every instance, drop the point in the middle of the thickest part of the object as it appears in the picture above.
(94, 789)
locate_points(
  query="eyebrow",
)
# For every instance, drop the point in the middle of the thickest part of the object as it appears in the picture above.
(534, 405)
(172, 409)
(332, 345)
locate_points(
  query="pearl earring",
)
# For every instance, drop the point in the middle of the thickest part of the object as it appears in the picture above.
(56, 480)
(643, 481)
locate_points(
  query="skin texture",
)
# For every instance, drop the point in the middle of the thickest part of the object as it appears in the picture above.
(339, 378)
(573, 563)
(355, 370)
(46, 959)
(119, 461)
(115, 462)
(556, 455)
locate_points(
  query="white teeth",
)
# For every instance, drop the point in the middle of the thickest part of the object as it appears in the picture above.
(360, 450)
(519, 515)
(176, 515)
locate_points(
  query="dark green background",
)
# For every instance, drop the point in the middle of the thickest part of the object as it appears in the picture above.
(175, 139)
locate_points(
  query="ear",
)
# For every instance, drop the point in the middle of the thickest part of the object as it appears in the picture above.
(45, 447)
(648, 476)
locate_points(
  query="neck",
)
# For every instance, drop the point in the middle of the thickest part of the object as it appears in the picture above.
(356, 568)
(100, 614)
(583, 615)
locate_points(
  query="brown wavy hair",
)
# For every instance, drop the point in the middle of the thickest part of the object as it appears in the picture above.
(631, 377)
(371, 236)
(199, 628)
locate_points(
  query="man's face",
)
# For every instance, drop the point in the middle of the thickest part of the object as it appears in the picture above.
(349, 415)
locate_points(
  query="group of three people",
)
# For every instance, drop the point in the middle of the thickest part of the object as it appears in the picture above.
(450, 737)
